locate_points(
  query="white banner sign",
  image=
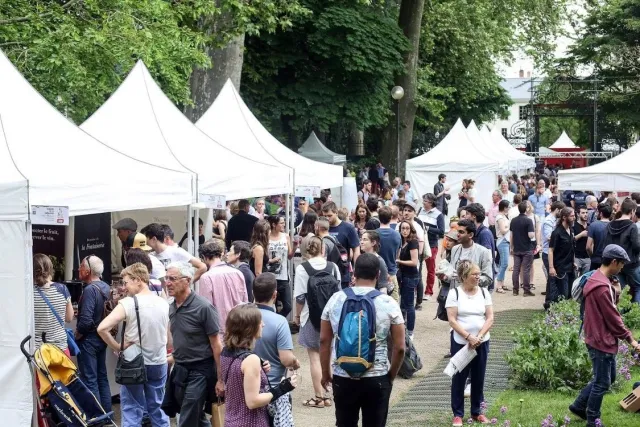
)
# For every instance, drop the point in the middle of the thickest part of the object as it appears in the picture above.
(307, 191)
(212, 201)
(50, 215)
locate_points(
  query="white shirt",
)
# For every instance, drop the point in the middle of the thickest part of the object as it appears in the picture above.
(472, 193)
(302, 280)
(173, 254)
(471, 311)
(154, 320)
(508, 197)
(419, 235)
(513, 212)
(157, 268)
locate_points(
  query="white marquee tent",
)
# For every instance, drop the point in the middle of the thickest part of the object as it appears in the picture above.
(63, 166)
(620, 173)
(487, 147)
(517, 158)
(314, 149)
(139, 120)
(230, 122)
(563, 141)
(458, 158)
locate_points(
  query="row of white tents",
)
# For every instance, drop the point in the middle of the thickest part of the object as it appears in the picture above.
(138, 151)
(467, 153)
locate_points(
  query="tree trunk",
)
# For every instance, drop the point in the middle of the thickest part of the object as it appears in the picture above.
(356, 140)
(410, 21)
(226, 63)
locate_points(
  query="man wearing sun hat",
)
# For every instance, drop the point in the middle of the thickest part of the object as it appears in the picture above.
(603, 327)
(157, 268)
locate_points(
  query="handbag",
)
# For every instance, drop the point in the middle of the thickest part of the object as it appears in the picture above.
(74, 350)
(131, 372)
(217, 414)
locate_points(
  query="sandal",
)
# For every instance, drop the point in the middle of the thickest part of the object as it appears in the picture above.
(500, 290)
(504, 288)
(314, 402)
(327, 401)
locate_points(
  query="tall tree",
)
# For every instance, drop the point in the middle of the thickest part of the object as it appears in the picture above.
(76, 53)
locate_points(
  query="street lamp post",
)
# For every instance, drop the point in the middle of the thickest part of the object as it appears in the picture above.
(397, 93)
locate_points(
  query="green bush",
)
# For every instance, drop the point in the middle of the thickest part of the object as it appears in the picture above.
(630, 311)
(549, 354)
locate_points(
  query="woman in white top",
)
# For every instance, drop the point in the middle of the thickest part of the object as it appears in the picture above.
(470, 313)
(153, 313)
(471, 191)
(279, 252)
(537, 227)
(310, 336)
(502, 243)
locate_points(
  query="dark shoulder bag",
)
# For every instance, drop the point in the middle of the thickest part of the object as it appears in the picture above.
(131, 372)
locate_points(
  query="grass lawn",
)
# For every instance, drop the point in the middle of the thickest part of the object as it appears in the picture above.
(536, 405)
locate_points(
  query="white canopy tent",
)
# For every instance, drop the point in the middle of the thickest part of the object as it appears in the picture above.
(563, 141)
(485, 145)
(63, 166)
(140, 121)
(314, 149)
(517, 158)
(230, 122)
(458, 158)
(620, 173)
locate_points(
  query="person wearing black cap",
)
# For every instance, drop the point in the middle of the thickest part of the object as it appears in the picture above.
(603, 327)
(126, 229)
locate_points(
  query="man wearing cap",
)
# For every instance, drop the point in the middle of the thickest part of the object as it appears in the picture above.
(126, 229)
(433, 219)
(603, 327)
(409, 212)
(157, 268)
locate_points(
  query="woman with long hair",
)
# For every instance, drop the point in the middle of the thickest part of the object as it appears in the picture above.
(470, 313)
(220, 223)
(307, 230)
(363, 214)
(150, 312)
(462, 194)
(259, 247)
(471, 191)
(408, 270)
(309, 336)
(51, 301)
(280, 251)
(370, 244)
(247, 388)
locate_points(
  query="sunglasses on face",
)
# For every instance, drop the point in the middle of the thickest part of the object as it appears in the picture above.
(173, 278)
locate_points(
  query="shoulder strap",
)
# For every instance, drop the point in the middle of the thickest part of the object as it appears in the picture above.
(349, 292)
(483, 295)
(243, 355)
(124, 326)
(307, 267)
(100, 290)
(374, 293)
(50, 306)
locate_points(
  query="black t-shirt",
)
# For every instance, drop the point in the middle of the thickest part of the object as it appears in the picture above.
(563, 249)
(520, 228)
(405, 255)
(581, 245)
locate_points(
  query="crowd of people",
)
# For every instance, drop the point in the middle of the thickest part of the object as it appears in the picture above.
(215, 326)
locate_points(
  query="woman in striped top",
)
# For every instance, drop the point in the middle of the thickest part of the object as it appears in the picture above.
(59, 297)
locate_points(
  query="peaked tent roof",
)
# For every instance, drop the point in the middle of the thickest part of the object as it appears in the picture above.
(67, 167)
(620, 173)
(546, 150)
(314, 149)
(455, 152)
(486, 146)
(521, 160)
(563, 141)
(230, 122)
(141, 121)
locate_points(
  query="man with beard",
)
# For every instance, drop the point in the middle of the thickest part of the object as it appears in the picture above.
(562, 256)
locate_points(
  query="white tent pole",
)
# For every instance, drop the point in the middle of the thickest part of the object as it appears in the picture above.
(190, 245)
(69, 234)
(208, 225)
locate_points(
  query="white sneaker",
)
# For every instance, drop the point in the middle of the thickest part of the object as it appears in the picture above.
(427, 297)
(410, 335)
(467, 391)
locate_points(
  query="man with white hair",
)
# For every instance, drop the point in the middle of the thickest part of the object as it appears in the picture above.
(195, 326)
(592, 209)
(92, 363)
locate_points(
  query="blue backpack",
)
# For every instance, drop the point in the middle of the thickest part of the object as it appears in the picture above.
(356, 337)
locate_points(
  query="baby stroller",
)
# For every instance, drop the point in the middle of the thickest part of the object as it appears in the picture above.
(64, 400)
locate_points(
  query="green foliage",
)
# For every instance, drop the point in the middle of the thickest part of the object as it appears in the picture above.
(77, 54)
(331, 67)
(630, 311)
(549, 354)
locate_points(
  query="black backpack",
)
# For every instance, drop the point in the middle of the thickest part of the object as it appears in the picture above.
(441, 312)
(321, 286)
(338, 255)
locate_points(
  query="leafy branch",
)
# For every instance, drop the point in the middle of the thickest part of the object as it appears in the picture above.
(37, 15)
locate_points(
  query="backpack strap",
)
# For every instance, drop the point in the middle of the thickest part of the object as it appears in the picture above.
(53, 310)
(307, 267)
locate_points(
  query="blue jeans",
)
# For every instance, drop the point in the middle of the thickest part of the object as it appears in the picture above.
(135, 400)
(407, 295)
(92, 366)
(604, 374)
(503, 249)
(631, 278)
(475, 371)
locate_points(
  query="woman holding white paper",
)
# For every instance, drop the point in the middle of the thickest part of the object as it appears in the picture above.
(470, 313)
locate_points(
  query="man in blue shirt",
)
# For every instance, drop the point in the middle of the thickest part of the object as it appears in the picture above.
(540, 202)
(275, 345)
(345, 234)
(390, 243)
(408, 193)
(483, 236)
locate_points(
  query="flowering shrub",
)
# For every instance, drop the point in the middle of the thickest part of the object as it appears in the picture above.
(549, 354)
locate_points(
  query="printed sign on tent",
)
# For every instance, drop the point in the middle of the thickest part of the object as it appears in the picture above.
(212, 201)
(49, 215)
(307, 191)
